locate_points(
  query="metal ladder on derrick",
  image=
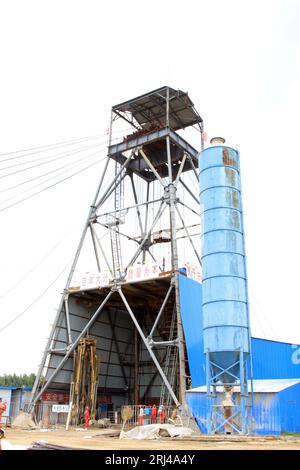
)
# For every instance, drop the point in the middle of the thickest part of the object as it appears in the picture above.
(171, 364)
(114, 223)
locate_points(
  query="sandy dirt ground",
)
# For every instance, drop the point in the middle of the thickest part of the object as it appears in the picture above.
(94, 439)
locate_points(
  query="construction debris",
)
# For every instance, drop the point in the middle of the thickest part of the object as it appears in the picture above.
(44, 445)
(24, 421)
(104, 423)
(156, 431)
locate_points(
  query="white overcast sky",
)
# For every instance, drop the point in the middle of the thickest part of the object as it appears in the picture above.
(64, 63)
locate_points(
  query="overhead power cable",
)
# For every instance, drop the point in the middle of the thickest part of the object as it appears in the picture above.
(34, 267)
(59, 156)
(51, 186)
(49, 172)
(45, 148)
(36, 299)
(73, 166)
(44, 158)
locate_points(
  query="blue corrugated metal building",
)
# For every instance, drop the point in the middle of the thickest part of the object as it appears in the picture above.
(276, 406)
(15, 397)
(275, 411)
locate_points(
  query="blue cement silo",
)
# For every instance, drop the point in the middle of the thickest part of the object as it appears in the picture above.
(225, 300)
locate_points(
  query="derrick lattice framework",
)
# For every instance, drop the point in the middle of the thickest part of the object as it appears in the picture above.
(136, 221)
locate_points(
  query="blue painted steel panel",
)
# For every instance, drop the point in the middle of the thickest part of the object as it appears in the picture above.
(266, 416)
(191, 317)
(290, 409)
(275, 360)
(225, 304)
(200, 406)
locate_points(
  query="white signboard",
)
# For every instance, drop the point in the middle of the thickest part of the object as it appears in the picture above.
(90, 280)
(60, 408)
(138, 271)
(142, 271)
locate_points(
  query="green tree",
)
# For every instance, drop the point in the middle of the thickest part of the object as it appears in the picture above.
(14, 380)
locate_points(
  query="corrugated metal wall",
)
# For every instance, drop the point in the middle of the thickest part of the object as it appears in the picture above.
(266, 414)
(290, 409)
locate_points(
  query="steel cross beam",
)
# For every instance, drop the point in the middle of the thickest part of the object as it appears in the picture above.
(137, 204)
(180, 169)
(140, 248)
(67, 314)
(160, 311)
(151, 167)
(129, 207)
(114, 230)
(193, 168)
(224, 370)
(101, 249)
(188, 234)
(189, 191)
(152, 355)
(103, 198)
(95, 248)
(227, 421)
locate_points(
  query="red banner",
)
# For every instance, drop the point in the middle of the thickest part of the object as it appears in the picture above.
(59, 397)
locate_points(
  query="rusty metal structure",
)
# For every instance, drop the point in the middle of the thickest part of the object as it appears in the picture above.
(84, 386)
(144, 218)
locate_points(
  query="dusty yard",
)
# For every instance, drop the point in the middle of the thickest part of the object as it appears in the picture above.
(96, 440)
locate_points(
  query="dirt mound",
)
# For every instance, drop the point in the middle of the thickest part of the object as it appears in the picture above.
(24, 421)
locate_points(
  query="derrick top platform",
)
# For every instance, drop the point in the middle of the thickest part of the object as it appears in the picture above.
(155, 117)
(150, 110)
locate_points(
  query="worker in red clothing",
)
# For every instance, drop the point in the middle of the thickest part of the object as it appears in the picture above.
(3, 407)
(162, 414)
(153, 414)
(86, 417)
